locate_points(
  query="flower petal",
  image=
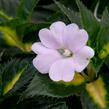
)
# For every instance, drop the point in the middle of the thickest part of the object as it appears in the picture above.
(43, 62)
(79, 63)
(82, 58)
(58, 28)
(73, 38)
(73, 26)
(62, 70)
(38, 48)
(86, 52)
(48, 39)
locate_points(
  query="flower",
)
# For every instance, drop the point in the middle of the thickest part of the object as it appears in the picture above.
(62, 51)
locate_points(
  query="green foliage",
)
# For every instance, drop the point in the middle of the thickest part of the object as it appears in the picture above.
(89, 22)
(42, 85)
(25, 9)
(105, 18)
(51, 103)
(98, 97)
(103, 39)
(14, 75)
(74, 17)
(21, 85)
(9, 6)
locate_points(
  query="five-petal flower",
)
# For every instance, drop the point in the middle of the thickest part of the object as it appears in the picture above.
(62, 51)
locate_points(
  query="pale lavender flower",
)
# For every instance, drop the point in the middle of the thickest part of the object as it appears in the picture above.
(62, 51)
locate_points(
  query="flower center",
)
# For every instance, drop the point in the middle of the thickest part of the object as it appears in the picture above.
(65, 52)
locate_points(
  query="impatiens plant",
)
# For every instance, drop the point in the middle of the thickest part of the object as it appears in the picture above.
(62, 51)
(54, 55)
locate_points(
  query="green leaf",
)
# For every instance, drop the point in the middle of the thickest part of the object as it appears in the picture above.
(107, 61)
(105, 18)
(103, 42)
(43, 12)
(42, 85)
(50, 103)
(9, 35)
(15, 74)
(9, 6)
(25, 78)
(1, 54)
(4, 17)
(74, 17)
(94, 95)
(30, 27)
(97, 63)
(25, 9)
(57, 106)
(43, 102)
(13, 81)
(89, 22)
(102, 38)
